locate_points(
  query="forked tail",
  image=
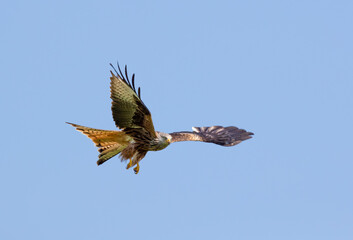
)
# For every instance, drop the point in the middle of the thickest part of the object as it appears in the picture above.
(109, 143)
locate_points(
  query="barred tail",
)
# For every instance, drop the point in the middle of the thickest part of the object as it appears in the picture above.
(110, 143)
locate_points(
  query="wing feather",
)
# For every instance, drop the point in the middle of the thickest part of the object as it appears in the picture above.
(224, 136)
(128, 109)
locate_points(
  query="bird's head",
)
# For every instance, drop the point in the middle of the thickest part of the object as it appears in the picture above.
(164, 139)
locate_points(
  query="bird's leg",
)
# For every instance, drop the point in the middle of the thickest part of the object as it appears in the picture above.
(137, 169)
(129, 165)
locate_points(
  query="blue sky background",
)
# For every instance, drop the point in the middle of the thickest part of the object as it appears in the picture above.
(281, 69)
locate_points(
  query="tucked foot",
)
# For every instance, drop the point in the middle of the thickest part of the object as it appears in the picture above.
(129, 164)
(137, 169)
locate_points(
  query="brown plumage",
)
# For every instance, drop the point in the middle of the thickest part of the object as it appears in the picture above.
(224, 136)
(137, 135)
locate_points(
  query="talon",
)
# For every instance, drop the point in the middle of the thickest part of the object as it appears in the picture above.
(137, 169)
(129, 164)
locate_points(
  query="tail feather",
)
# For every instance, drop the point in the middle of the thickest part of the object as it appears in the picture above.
(110, 143)
(101, 137)
(108, 152)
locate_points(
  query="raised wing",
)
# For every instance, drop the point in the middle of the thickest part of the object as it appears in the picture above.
(224, 136)
(128, 109)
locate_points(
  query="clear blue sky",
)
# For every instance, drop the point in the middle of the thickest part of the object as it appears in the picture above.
(281, 69)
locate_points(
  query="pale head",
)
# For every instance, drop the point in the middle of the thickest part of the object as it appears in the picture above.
(164, 139)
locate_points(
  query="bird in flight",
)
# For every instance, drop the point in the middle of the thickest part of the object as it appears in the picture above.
(137, 135)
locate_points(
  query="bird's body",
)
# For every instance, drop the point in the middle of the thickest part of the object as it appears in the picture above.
(137, 135)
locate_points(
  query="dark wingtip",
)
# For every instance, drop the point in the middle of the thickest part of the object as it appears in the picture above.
(133, 81)
(114, 70)
(246, 135)
(126, 75)
(249, 134)
(125, 78)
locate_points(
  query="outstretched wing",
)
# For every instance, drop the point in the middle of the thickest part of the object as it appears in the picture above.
(129, 112)
(224, 136)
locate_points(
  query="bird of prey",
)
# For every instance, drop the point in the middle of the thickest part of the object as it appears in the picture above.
(137, 135)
